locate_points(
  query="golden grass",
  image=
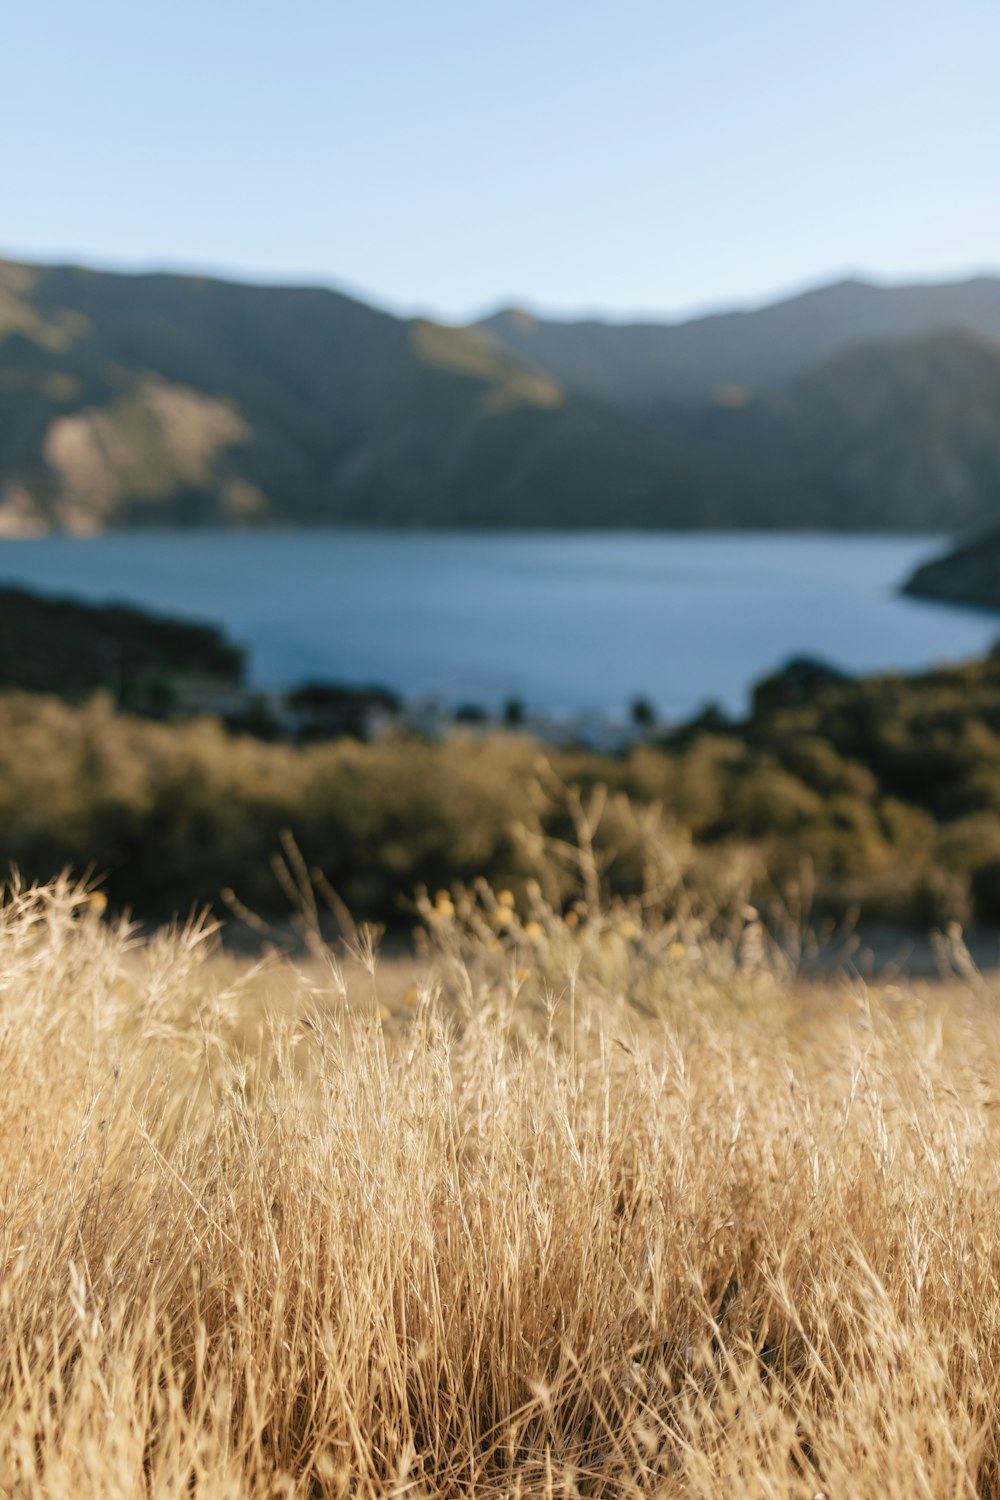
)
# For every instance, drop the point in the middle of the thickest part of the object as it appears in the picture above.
(606, 1209)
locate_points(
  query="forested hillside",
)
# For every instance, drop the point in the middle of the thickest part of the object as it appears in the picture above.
(184, 401)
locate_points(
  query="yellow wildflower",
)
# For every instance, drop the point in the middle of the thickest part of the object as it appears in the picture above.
(443, 905)
(676, 950)
(505, 898)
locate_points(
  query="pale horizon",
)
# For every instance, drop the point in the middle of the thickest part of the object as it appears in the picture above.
(322, 281)
(654, 160)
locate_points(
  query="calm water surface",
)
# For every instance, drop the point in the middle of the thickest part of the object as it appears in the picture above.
(567, 623)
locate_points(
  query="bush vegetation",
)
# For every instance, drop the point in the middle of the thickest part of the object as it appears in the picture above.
(601, 1205)
(881, 796)
(73, 649)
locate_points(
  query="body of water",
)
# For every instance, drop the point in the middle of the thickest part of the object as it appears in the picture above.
(565, 622)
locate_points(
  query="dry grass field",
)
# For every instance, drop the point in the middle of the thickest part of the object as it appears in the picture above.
(601, 1205)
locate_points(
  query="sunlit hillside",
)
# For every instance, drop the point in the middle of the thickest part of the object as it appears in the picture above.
(603, 1205)
(180, 401)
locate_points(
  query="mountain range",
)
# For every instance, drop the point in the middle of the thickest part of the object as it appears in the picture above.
(169, 400)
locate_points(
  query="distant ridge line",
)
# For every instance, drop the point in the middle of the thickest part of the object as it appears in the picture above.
(156, 398)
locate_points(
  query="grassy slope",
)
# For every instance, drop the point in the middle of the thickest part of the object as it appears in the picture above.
(604, 1210)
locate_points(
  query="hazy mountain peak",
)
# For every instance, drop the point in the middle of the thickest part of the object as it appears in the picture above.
(177, 400)
(648, 365)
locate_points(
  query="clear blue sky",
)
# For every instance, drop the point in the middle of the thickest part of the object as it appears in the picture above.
(629, 155)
